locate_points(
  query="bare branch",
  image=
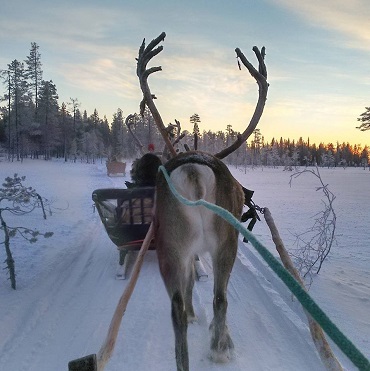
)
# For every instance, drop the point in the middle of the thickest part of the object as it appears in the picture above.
(145, 55)
(314, 245)
(326, 354)
(261, 78)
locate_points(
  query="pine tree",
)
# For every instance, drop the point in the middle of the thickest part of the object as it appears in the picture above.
(75, 104)
(33, 72)
(18, 94)
(117, 135)
(47, 116)
(65, 123)
(365, 120)
(195, 120)
(6, 113)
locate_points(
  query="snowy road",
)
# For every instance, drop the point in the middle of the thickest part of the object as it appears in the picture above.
(72, 319)
(67, 295)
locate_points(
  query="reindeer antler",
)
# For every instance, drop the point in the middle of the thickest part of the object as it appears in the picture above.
(260, 75)
(129, 123)
(145, 55)
(171, 128)
(261, 78)
(179, 134)
(174, 131)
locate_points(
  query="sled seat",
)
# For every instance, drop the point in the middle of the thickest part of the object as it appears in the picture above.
(126, 214)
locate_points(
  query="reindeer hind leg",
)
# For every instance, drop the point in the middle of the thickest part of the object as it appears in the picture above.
(222, 345)
(180, 326)
(189, 293)
(174, 277)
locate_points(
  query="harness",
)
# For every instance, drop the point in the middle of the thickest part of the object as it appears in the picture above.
(203, 158)
(251, 213)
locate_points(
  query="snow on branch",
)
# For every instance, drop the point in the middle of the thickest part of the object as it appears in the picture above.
(17, 199)
(314, 245)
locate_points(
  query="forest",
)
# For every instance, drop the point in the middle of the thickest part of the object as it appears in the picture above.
(34, 124)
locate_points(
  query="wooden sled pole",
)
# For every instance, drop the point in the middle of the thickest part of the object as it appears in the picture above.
(97, 362)
(326, 354)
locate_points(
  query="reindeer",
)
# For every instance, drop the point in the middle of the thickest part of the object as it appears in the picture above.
(196, 230)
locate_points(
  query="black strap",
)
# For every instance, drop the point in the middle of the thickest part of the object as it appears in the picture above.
(251, 213)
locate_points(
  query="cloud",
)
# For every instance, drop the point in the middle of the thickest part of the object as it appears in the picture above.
(349, 17)
(62, 27)
(110, 69)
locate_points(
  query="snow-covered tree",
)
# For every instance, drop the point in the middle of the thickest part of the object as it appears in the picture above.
(17, 199)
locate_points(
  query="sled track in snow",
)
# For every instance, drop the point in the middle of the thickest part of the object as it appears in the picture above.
(276, 330)
(67, 294)
(70, 282)
(83, 294)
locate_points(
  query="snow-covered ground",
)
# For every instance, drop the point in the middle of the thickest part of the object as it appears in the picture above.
(67, 291)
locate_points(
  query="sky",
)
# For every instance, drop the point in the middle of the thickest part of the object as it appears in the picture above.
(317, 59)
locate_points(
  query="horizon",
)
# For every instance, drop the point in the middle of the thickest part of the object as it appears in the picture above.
(316, 56)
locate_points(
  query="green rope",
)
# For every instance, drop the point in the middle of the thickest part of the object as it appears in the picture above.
(347, 347)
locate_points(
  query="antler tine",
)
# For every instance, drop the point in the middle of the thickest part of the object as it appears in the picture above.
(261, 78)
(178, 125)
(155, 41)
(129, 123)
(171, 132)
(145, 55)
(261, 60)
(144, 59)
(180, 135)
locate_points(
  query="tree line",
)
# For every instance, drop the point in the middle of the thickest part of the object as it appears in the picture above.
(33, 124)
(291, 153)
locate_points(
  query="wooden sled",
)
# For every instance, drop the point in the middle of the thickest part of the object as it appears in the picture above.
(126, 215)
(116, 167)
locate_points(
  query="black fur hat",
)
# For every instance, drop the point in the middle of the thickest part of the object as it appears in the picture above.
(144, 170)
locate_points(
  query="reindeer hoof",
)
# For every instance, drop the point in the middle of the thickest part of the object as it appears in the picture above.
(222, 356)
(192, 318)
(190, 314)
(222, 350)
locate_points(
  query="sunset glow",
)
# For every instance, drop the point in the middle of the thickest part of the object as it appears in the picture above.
(317, 60)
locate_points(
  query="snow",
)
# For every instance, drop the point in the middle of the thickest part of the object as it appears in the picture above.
(67, 292)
